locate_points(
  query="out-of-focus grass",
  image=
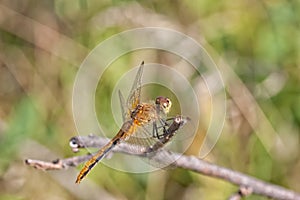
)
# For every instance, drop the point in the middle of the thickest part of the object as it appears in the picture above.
(22, 124)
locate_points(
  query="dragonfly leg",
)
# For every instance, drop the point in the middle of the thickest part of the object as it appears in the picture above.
(164, 125)
(155, 131)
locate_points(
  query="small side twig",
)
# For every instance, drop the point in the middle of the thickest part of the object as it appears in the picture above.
(58, 164)
(192, 163)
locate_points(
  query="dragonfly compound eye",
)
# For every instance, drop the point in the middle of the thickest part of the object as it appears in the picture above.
(167, 103)
(158, 100)
(164, 104)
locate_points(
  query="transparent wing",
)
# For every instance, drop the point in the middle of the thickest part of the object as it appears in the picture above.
(144, 136)
(152, 146)
(135, 92)
(157, 133)
(134, 96)
(125, 111)
(143, 141)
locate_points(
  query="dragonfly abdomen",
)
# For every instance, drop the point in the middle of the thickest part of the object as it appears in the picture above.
(96, 158)
(126, 130)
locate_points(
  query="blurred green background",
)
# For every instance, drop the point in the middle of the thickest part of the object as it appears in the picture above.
(42, 44)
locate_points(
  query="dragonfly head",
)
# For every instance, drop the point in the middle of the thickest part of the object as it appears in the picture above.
(164, 104)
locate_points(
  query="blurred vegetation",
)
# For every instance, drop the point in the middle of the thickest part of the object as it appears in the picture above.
(258, 39)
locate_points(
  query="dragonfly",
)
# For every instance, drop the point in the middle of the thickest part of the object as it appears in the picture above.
(137, 116)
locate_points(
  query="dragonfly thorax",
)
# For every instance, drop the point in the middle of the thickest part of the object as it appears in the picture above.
(144, 113)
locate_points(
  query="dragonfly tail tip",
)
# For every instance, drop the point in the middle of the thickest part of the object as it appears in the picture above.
(78, 180)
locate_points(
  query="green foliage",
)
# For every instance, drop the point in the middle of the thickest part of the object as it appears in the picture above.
(23, 122)
(260, 161)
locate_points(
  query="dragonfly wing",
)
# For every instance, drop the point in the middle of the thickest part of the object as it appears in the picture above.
(157, 133)
(142, 138)
(124, 109)
(135, 92)
(153, 147)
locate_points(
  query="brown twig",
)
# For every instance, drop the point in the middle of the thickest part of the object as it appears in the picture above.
(192, 163)
(59, 163)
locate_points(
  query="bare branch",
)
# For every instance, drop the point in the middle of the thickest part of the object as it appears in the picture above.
(58, 164)
(246, 183)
